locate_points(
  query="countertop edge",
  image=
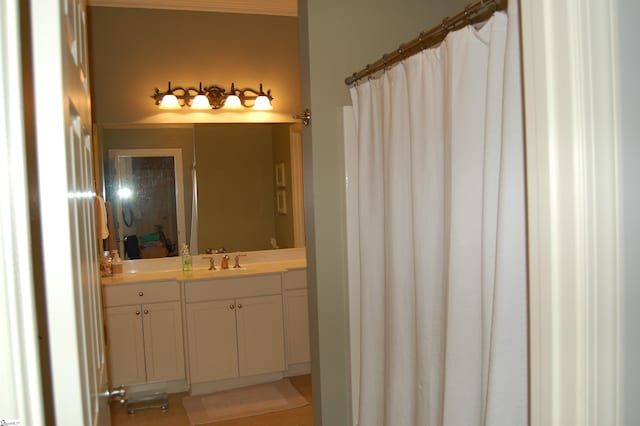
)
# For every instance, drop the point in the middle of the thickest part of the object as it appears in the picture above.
(255, 269)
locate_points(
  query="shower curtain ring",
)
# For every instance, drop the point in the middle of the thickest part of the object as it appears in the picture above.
(467, 15)
(368, 72)
(445, 24)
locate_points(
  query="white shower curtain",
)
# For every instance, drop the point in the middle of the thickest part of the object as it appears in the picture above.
(442, 251)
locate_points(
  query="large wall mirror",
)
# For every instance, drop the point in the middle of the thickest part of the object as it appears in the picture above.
(236, 187)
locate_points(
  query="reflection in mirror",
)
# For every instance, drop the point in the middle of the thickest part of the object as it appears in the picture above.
(146, 195)
(248, 187)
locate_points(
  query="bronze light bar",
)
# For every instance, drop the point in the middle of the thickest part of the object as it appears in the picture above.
(212, 97)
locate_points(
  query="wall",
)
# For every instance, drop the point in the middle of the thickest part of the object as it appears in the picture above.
(342, 38)
(132, 51)
(629, 57)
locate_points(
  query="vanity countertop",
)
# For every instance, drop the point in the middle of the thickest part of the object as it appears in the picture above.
(205, 274)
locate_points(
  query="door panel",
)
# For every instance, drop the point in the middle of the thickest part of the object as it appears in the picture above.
(297, 319)
(67, 217)
(164, 353)
(211, 329)
(126, 340)
(260, 335)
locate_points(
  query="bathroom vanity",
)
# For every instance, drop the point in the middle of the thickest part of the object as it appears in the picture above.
(203, 330)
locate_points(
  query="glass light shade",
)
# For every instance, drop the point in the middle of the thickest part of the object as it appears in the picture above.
(262, 103)
(233, 102)
(200, 102)
(169, 102)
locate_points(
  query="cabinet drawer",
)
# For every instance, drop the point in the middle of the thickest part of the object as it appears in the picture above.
(229, 288)
(150, 292)
(294, 279)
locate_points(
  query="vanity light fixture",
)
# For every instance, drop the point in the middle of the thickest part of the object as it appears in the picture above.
(212, 97)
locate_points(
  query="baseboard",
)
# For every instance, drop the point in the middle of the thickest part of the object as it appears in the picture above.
(298, 369)
(174, 386)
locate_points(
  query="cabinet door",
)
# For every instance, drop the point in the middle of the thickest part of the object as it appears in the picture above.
(126, 345)
(164, 350)
(211, 332)
(297, 323)
(260, 335)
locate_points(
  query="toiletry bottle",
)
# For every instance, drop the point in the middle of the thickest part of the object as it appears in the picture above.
(187, 264)
(116, 263)
(105, 264)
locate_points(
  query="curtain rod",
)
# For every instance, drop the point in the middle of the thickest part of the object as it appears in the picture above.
(472, 13)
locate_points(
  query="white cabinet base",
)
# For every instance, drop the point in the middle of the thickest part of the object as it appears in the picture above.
(238, 382)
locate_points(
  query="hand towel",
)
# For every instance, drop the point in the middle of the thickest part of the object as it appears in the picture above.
(101, 219)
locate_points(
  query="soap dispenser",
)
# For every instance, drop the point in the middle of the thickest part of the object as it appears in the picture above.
(116, 263)
(187, 263)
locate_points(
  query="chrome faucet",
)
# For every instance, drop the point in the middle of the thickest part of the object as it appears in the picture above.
(225, 262)
(237, 265)
(212, 263)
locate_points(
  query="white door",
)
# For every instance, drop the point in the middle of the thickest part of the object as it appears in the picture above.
(67, 212)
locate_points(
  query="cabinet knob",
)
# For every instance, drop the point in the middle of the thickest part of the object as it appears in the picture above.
(141, 293)
(137, 312)
(239, 305)
(146, 311)
(232, 307)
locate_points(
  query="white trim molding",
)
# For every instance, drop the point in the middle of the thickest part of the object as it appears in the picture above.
(257, 7)
(574, 211)
(22, 398)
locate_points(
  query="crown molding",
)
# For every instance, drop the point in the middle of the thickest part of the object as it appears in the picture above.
(258, 7)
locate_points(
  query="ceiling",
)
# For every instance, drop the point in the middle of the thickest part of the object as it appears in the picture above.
(259, 7)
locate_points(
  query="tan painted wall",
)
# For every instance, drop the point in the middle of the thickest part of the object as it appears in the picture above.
(132, 51)
(343, 36)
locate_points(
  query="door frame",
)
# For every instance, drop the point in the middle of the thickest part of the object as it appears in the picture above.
(22, 398)
(574, 211)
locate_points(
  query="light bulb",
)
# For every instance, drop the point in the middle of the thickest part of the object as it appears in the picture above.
(169, 101)
(262, 103)
(232, 102)
(200, 102)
